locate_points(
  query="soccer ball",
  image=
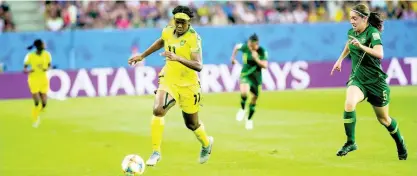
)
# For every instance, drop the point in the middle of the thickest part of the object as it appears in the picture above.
(133, 165)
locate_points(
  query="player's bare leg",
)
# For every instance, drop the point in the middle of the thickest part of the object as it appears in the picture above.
(193, 124)
(249, 121)
(354, 95)
(163, 102)
(244, 89)
(44, 99)
(35, 110)
(382, 113)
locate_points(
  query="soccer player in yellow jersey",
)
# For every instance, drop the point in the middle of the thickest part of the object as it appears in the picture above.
(39, 62)
(178, 81)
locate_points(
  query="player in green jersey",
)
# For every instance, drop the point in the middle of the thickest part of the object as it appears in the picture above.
(367, 80)
(254, 59)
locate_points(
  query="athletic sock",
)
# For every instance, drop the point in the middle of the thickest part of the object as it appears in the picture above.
(201, 135)
(251, 111)
(243, 101)
(157, 128)
(394, 130)
(350, 123)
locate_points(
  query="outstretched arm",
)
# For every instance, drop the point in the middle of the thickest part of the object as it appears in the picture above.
(158, 44)
(338, 65)
(235, 49)
(194, 63)
(344, 53)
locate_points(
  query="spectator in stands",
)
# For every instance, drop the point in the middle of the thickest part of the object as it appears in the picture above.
(54, 22)
(300, 15)
(141, 14)
(6, 21)
(219, 18)
(409, 13)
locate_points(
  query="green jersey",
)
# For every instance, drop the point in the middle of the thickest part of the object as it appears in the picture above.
(366, 69)
(250, 68)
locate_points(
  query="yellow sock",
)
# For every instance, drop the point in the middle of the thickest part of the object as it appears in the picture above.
(35, 113)
(157, 128)
(201, 135)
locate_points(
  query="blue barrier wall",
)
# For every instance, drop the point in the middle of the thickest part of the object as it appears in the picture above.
(101, 48)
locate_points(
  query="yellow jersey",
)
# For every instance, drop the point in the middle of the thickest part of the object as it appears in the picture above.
(174, 72)
(38, 64)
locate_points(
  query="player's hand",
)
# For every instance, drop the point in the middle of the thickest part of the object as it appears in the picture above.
(355, 41)
(135, 59)
(27, 71)
(337, 66)
(255, 54)
(169, 56)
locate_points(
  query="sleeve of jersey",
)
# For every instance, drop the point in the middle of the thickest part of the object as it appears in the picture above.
(27, 59)
(164, 33)
(242, 47)
(49, 58)
(195, 44)
(375, 38)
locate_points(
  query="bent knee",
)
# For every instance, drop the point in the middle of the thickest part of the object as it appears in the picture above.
(254, 99)
(159, 111)
(192, 126)
(384, 119)
(350, 106)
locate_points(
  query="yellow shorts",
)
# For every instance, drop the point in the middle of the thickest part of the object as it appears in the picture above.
(38, 86)
(188, 97)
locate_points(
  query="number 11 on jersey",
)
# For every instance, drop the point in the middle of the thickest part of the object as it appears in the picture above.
(171, 49)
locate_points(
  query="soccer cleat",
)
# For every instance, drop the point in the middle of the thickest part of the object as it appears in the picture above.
(240, 115)
(206, 151)
(402, 150)
(153, 159)
(249, 124)
(348, 147)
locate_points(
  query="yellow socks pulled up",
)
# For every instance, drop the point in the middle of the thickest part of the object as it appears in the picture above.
(35, 113)
(201, 135)
(157, 129)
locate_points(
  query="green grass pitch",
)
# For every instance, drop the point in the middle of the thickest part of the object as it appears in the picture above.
(296, 133)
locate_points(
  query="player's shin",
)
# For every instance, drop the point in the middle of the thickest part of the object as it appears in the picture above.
(350, 123)
(35, 110)
(201, 135)
(395, 132)
(243, 99)
(157, 128)
(251, 111)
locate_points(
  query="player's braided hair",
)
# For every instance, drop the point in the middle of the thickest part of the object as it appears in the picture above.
(374, 18)
(183, 9)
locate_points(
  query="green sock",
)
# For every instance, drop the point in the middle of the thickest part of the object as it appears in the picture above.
(394, 130)
(350, 123)
(251, 111)
(243, 101)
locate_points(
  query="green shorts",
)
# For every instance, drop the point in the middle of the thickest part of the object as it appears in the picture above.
(254, 86)
(377, 94)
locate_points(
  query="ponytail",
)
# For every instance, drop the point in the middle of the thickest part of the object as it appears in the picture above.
(376, 21)
(37, 43)
(30, 47)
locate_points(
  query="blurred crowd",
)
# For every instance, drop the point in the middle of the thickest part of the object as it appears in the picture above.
(89, 14)
(6, 23)
(140, 14)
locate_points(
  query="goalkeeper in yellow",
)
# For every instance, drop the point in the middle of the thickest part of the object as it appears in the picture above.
(178, 81)
(36, 65)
